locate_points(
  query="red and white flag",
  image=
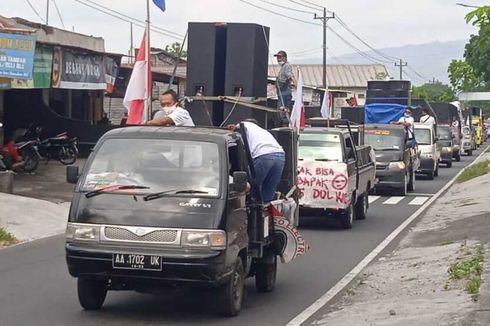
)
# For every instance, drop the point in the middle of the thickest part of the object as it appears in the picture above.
(298, 119)
(326, 105)
(140, 84)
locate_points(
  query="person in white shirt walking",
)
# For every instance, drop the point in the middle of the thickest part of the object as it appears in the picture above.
(268, 158)
(426, 118)
(171, 114)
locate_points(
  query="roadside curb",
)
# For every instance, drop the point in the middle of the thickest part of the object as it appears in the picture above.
(351, 275)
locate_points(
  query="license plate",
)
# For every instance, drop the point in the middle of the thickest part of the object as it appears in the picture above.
(135, 261)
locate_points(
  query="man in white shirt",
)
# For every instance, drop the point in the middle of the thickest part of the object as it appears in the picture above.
(408, 122)
(268, 158)
(426, 118)
(171, 114)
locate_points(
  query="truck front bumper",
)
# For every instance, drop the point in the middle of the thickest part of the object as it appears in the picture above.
(178, 266)
(388, 179)
(446, 157)
(426, 166)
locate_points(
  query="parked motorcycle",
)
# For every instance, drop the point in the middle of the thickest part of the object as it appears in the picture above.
(61, 147)
(30, 154)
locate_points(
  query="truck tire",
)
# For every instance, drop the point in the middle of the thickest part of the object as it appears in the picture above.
(436, 172)
(230, 295)
(91, 293)
(449, 164)
(403, 190)
(266, 272)
(411, 182)
(347, 218)
(361, 207)
(469, 152)
(458, 158)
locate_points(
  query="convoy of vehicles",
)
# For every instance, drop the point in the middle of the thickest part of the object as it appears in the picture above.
(335, 175)
(429, 148)
(396, 159)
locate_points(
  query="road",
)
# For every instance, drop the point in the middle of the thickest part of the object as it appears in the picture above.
(36, 288)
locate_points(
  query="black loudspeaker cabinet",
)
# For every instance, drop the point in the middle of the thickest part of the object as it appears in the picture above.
(353, 113)
(206, 71)
(402, 101)
(288, 139)
(386, 93)
(390, 84)
(246, 70)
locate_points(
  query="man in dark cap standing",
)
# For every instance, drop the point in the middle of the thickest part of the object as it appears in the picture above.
(284, 81)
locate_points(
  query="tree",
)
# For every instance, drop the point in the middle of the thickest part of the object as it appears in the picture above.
(174, 49)
(477, 50)
(463, 78)
(433, 92)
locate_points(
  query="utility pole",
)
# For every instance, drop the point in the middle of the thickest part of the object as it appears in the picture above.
(325, 19)
(401, 65)
(47, 12)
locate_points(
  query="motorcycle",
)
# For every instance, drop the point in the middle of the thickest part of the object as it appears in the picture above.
(61, 147)
(30, 154)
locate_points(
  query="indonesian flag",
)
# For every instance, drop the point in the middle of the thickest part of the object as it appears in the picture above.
(136, 92)
(298, 120)
(326, 105)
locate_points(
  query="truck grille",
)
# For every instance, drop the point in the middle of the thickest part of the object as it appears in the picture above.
(381, 166)
(122, 234)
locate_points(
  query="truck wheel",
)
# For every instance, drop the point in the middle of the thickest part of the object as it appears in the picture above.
(403, 190)
(411, 182)
(449, 164)
(469, 152)
(362, 207)
(347, 218)
(91, 293)
(436, 172)
(458, 158)
(230, 295)
(266, 272)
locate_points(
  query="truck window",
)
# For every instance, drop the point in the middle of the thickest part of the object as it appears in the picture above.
(316, 146)
(423, 136)
(156, 163)
(384, 140)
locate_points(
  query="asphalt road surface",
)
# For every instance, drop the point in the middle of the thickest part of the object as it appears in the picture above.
(36, 289)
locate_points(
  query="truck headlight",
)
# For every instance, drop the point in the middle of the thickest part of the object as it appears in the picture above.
(204, 239)
(396, 166)
(447, 149)
(82, 232)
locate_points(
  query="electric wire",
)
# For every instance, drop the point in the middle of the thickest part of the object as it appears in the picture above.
(133, 21)
(304, 5)
(35, 11)
(59, 13)
(288, 8)
(277, 13)
(312, 3)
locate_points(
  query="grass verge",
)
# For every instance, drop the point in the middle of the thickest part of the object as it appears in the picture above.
(474, 171)
(6, 239)
(469, 269)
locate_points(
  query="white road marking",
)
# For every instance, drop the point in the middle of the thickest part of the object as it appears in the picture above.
(349, 277)
(417, 201)
(393, 200)
(414, 194)
(372, 199)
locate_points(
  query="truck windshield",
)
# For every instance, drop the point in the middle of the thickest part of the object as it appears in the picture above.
(383, 140)
(444, 133)
(326, 147)
(158, 164)
(423, 136)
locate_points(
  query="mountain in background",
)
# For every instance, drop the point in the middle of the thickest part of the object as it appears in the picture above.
(429, 60)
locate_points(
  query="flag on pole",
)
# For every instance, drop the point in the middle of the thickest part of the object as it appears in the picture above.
(160, 4)
(298, 119)
(137, 92)
(326, 105)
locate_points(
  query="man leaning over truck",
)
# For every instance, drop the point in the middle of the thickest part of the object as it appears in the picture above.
(268, 158)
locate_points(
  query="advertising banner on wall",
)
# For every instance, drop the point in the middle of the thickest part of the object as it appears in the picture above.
(76, 70)
(43, 61)
(17, 55)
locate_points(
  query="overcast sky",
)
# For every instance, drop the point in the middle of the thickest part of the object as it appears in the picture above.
(382, 23)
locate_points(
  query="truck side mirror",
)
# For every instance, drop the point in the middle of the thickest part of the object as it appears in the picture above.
(72, 174)
(240, 180)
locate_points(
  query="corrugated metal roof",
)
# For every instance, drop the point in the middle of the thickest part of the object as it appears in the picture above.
(337, 75)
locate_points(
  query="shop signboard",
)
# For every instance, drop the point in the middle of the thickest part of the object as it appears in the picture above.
(17, 55)
(43, 61)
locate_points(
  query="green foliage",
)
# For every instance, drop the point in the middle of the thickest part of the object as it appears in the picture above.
(477, 50)
(469, 269)
(433, 92)
(6, 238)
(462, 77)
(474, 171)
(174, 49)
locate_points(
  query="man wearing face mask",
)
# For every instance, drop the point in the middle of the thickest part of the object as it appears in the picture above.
(284, 81)
(171, 114)
(408, 122)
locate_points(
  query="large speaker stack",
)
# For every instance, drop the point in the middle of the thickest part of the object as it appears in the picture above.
(226, 59)
(390, 91)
